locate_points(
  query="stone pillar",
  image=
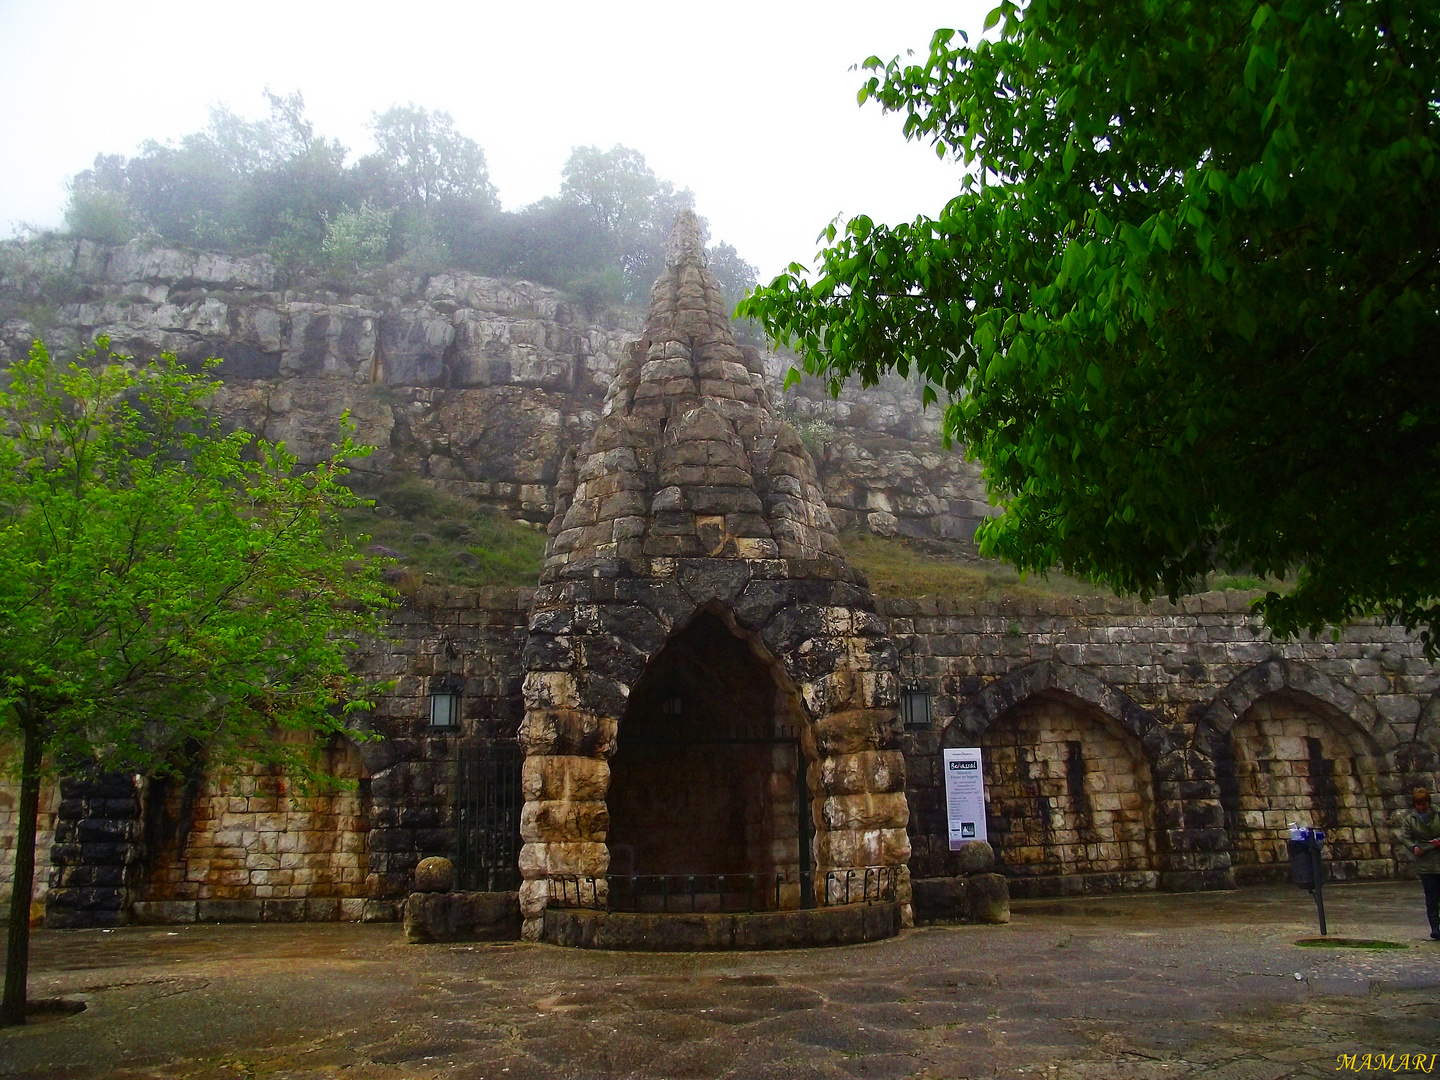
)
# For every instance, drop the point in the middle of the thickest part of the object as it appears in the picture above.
(99, 848)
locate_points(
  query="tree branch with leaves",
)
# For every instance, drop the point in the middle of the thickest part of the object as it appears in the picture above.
(163, 586)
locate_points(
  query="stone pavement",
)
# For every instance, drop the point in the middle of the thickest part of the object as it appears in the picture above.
(1148, 987)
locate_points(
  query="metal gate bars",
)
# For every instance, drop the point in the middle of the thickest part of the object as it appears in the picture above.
(487, 817)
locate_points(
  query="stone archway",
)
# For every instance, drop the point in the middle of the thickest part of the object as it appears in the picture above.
(1071, 799)
(1187, 844)
(1291, 743)
(1287, 759)
(708, 776)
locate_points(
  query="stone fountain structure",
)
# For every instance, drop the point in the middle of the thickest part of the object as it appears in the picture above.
(708, 689)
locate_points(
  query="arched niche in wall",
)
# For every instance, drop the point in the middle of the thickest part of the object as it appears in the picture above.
(1070, 793)
(1295, 746)
(1071, 768)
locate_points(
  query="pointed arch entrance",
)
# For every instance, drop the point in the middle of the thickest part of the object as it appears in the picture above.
(708, 779)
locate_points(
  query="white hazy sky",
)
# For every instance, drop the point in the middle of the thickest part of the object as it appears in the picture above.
(750, 104)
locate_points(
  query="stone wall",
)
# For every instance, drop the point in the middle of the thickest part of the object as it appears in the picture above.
(469, 641)
(1070, 793)
(1198, 739)
(249, 834)
(474, 385)
(1236, 732)
(1292, 763)
(44, 837)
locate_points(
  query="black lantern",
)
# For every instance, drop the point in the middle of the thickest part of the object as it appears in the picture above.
(915, 706)
(444, 707)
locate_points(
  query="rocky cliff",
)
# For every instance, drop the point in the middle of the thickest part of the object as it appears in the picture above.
(474, 385)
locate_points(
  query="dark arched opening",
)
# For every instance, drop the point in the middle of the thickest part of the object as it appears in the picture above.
(708, 774)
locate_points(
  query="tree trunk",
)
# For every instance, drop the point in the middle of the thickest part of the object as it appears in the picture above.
(17, 948)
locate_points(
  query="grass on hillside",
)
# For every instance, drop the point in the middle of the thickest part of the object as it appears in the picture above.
(442, 540)
(898, 567)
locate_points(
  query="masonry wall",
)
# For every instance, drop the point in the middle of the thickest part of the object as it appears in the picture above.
(248, 833)
(1239, 735)
(44, 837)
(242, 845)
(1172, 744)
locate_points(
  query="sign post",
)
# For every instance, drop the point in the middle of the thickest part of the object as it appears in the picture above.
(964, 795)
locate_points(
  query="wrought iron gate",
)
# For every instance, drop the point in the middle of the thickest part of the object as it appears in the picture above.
(760, 735)
(487, 817)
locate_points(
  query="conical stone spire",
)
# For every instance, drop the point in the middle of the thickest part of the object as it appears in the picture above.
(692, 498)
(688, 460)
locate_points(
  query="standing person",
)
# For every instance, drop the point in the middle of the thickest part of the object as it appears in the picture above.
(1422, 836)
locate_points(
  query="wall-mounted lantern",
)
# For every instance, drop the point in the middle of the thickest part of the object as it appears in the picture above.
(915, 706)
(444, 706)
(673, 705)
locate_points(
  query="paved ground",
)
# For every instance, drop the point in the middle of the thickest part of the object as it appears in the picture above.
(1140, 987)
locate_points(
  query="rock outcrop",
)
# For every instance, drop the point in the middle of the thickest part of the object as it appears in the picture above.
(475, 385)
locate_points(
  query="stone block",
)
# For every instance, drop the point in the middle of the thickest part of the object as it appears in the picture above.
(564, 819)
(989, 898)
(462, 916)
(943, 899)
(533, 896)
(283, 911)
(351, 909)
(865, 811)
(867, 771)
(380, 911)
(976, 857)
(229, 911)
(851, 731)
(163, 911)
(322, 909)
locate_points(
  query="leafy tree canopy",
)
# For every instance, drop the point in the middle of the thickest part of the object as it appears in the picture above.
(430, 160)
(1186, 308)
(423, 197)
(163, 587)
(620, 194)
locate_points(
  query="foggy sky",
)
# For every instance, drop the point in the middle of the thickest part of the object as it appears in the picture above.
(748, 103)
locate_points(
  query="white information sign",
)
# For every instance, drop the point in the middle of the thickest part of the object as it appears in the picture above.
(964, 795)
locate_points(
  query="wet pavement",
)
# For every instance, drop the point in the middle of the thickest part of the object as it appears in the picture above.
(1142, 987)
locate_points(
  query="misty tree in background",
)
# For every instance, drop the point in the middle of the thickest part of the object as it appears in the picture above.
(620, 194)
(430, 160)
(236, 183)
(357, 239)
(274, 185)
(101, 213)
(162, 587)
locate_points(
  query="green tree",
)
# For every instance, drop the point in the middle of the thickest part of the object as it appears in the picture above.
(162, 586)
(1186, 308)
(735, 275)
(357, 239)
(98, 213)
(234, 182)
(620, 194)
(429, 159)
